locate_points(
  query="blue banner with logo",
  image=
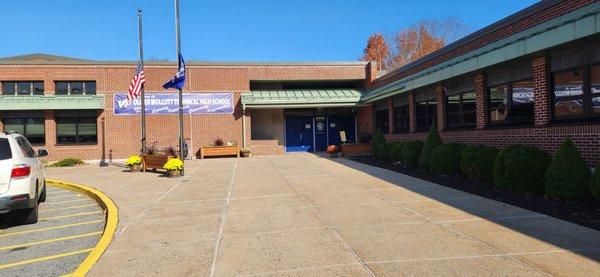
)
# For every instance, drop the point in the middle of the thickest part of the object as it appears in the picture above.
(168, 103)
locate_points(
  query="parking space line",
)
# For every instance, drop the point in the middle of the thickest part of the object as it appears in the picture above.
(45, 258)
(68, 201)
(49, 241)
(66, 196)
(70, 215)
(50, 228)
(68, 208)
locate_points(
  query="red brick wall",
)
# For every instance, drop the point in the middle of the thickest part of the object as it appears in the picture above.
(541, 92)
(506, 31)
(481, 104)
(123, 133)
(440, 98)
(364, 119)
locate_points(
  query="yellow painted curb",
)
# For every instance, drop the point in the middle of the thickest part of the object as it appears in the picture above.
(112, 218)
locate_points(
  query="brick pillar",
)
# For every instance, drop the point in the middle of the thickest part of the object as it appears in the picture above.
(390, 116)
(541, 92)
(412, 112)
(440, 98)
(364, 119)
(50, 132)
(481, 100)
(247, 118)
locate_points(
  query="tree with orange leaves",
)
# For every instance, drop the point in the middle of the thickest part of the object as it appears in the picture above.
(377, 50)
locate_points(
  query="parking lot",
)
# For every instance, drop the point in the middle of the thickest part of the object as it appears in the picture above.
(70, 224)
(301, 214)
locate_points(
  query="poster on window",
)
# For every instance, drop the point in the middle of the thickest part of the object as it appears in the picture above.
(568, 90)
(522, 95)
(168, 103)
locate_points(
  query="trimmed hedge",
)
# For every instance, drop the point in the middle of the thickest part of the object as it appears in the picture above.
(433, 140)
(396, 152)
(378, 140)
(521, 168)
(67, 162)
(477, 162)
(445, 158)
(595, 183)
(568, 176)
(411, 151)
(383, 151)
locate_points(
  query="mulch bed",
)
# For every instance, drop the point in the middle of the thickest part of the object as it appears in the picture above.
(585, 213)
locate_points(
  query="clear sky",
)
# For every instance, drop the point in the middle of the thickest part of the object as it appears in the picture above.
(224, 30)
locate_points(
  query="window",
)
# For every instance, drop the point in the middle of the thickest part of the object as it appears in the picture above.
(23, 88)
(75, 87)
(401, 119)
(28, 124)
(461, 110)
(76, 127)
(574, 95)
(426, 114)
(382, 121)
(25, 148)
(5, 152)
(511, 103)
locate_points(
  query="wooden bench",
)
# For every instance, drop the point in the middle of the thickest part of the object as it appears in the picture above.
(215, 151)
(356, 149)
(154, 161)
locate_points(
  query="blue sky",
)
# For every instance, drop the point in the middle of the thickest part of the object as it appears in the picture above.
(226, 30)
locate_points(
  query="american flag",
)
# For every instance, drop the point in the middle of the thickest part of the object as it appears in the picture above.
(135, 88)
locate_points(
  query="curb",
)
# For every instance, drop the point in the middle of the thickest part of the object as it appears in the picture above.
(112, 218)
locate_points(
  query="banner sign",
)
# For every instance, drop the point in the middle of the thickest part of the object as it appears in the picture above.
(569, 90)
(522, 95)
(168, 103)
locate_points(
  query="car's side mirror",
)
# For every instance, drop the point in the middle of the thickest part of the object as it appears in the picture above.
(42, 153)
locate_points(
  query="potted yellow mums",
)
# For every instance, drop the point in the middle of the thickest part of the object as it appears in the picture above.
(134, 163)
(174, 167)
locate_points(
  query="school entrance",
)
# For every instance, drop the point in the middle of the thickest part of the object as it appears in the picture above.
(314, 130)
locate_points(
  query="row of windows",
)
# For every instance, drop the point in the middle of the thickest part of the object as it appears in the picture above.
(72, 127)
(37, 88)
(575, 95)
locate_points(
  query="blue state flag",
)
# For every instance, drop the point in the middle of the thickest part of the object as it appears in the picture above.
(178, 81)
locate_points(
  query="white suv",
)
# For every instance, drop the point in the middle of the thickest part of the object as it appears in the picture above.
(22, 177)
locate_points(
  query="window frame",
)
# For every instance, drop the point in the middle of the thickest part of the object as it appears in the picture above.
(587, 96)
(405, 119)
(84, 90)
(461, 111)
(78, 121)
(16, 83)
(428, 105)
(378, 124)
(24, 124)
(504, 123)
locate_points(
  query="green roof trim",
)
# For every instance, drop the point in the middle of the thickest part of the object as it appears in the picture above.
(574, 25)
(301, 98)
(51, 102)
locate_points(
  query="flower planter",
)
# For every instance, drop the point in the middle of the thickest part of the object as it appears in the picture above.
(173, 173)
(135, 168)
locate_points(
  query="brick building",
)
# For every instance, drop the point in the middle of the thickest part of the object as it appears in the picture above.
(533, 77)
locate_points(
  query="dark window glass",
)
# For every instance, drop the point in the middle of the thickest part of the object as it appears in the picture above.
(76, 88)
(568, 93)
(90, 87)
(76, 127)
(24, 88)
(25, 147)
(595, 88)
(30, 126)
(382, 121)
(511, 103)
(401, 119)
(8, 88)
(38, 88)
(61, 88)
(460, 111)
(426, 114)
(498, 106)
(5, 152)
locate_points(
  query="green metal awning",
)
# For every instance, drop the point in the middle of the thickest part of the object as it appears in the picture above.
(301, 98)
(51, 102)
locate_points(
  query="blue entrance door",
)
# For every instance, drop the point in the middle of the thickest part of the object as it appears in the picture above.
(299, 134)
(341, 123)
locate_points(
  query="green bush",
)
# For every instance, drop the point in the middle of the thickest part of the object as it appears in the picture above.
(411, 151)
(383, 151)
(433, 140)
(445, 158)
(477, 162)
(568, 176)
(67, 162)
(378, 140)
(595, 183)
(396, 152)
(521, 168)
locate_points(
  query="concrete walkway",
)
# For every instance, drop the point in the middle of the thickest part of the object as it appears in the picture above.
(299, 215)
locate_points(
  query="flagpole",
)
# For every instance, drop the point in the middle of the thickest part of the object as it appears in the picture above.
(177, 37)
(141, 46)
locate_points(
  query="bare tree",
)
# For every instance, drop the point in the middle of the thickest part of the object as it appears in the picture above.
(377, 50)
